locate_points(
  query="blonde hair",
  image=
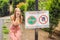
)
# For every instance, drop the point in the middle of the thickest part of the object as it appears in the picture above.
(15, 14)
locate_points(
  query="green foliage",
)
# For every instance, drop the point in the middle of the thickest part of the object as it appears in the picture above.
(5, 30)
(44, 5)
(4, 6)
(4, 26)
(15, 2)
(22, 0)
(31, 5)
(54, 14)
(55, 11)
(22, 10)
(22, 6)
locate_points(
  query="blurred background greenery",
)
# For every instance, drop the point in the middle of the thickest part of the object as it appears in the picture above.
(4, 7)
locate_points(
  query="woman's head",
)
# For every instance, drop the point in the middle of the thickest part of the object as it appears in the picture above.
(17, 12)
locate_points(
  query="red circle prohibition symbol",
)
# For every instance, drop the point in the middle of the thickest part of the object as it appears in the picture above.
(46, 20)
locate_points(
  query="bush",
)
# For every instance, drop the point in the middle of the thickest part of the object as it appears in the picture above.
(22, 6)
(15, 2)
(4, 7)
(4, 26)
(44, 5)
(22, 0)
(5, 30)
(31, 5)
(54, 14)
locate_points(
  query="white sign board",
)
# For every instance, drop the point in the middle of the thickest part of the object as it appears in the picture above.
(37, 19)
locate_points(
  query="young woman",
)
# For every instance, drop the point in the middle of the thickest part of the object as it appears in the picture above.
(16, 20)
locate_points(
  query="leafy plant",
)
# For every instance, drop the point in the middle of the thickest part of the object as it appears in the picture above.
(5, 30)
(54, 15)
(31, 5)
(22, 6)
(4, 6)
(15, 2)
(44, 5)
